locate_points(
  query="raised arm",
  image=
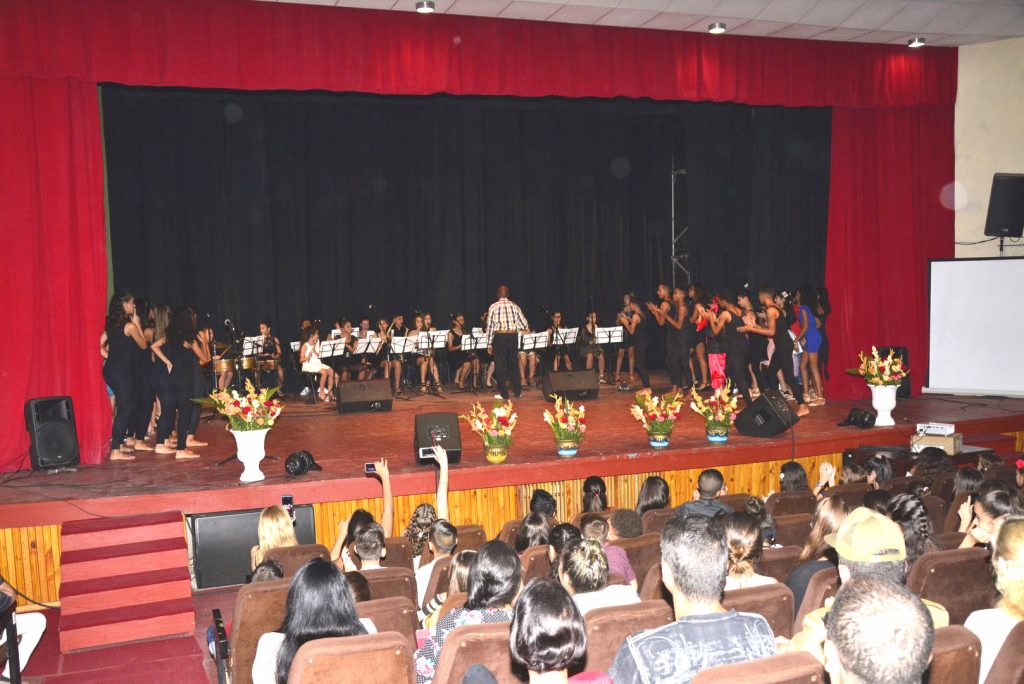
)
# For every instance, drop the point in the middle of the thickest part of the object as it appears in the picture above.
(387, 519)
(134, 329)
(442, 482)
(717, 322)
(769, 330)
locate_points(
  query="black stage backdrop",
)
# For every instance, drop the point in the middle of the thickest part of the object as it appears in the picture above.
(288, 205)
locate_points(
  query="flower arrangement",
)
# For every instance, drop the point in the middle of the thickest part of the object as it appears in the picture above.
(720, 407)
(568, 422)
(881, 371)
(495, 426)
(657, 414)
(251, 411)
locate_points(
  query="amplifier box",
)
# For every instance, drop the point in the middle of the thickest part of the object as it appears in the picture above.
(951, 444)
(940, 429)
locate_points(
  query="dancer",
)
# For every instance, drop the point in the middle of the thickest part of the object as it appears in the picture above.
(674, 313)
(178, 353)
(637, 324)
(628, 346)
(697, 338)
(142, 386)
(505, 320)
(123, 332)
(757, 345)
(730, 319)
(810, 372)
(782, 358)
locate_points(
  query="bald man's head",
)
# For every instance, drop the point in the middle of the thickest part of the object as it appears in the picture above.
(502, 291)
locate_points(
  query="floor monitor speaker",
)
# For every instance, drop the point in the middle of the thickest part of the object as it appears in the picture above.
(766, 416)
(437, 428)
(50, 422)
(573, 385)
(364, 396)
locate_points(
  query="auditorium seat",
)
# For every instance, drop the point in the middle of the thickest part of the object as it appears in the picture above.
(792, 530)
(956, 657)
(259, 608)
(536, 563)
(654, 520)
(936, 507)
(777, 562)
(509, 531)
(737, 502)
(643, 552)
(942, 486)
(823, 584)
(438, 582)
(470, 537)
(791, 503)
(901, 485)
(852, 494)
(773, 601)
(393, 614)
(398, 553)
(604, 514)
(452, 602)
(471, 644)
(383, 658)
(947, 541)
(652, 588)
(952, 522)
(1009, 663)
(387, 582)
(960, 580)
(1004, 473)
(291, 558)
(785, 668)
(608, 627)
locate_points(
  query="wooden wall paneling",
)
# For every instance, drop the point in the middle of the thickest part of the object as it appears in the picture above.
(30, 561)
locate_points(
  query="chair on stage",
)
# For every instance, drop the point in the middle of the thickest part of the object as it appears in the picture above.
(383, 658)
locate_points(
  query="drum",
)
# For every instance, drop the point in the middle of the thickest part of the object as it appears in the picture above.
(224, 365)
(247, 362)
(268, 365)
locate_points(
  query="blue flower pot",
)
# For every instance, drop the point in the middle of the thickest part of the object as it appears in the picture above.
(658, 441)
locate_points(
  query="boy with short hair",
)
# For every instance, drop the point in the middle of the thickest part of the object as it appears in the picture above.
(710, 486)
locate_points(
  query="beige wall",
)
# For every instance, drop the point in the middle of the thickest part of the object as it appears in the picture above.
(989, 135)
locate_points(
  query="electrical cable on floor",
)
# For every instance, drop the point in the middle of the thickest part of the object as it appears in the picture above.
(28, 598)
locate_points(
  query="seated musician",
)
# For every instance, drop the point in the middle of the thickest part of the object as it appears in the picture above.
(458, 358)
(434, 357)
(270, 357)
(368, 361)
(589, 349)
(348, 363)
(527, 362)
(309, 356)
(558, 351)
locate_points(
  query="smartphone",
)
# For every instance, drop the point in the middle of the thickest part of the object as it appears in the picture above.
(288, 502)
(369, 469)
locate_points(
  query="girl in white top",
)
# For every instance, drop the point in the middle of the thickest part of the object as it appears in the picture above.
(583, 572)
(992, 625)
(745, 541)
(309, 355)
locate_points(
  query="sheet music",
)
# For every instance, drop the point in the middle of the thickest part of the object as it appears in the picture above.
(329, 348)
(533, 341)
(368, 345)
(563, 336)
(403, 345)
(295, 346)
(471, 342)
(251, 346)
(438, 339)
(609, 335)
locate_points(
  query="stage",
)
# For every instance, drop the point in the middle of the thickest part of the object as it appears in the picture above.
(615, 445)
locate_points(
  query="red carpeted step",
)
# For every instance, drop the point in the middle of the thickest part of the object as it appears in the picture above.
(114, 567)
(117, 523)
(121, 551)
(135, 579)
(132, 589)
(126, 623)
(172, 529)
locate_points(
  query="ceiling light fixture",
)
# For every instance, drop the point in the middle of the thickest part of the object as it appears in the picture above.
(716, 27)
(425, 6)
(916, 42)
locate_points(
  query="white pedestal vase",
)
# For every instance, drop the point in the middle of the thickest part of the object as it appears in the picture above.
(250, 453)
(883, 400)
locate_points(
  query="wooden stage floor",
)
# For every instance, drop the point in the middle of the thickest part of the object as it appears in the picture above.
(615, 445)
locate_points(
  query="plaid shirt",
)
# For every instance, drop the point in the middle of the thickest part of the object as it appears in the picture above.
(505, 315)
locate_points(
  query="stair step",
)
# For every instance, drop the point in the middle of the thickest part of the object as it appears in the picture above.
(119, 522)
(172, 624)
(121, 550)
(122, 536)
(119, 614)
(115, 567)
(133, 579)
(187, 670)
(125, 596)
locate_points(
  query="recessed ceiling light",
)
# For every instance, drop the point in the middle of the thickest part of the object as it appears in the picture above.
(425, 6)
(916, 42)
(716, 27)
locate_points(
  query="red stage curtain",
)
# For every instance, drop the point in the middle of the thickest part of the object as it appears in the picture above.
(53, 53)
(52, 256)
(885, 222)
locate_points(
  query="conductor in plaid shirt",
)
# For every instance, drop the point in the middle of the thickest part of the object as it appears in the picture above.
(504, 321)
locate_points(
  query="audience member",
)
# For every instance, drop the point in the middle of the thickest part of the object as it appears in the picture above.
(275, 530)
(867, 544)
(705, 634)
(584, 574)
(1019, 465)
(548, 634)
(710, 486)
(442, 542)
(458, 579)
(967, 481)
(358, 585)
(817, 554)
(494, 581)
(594, 526)
(425, 515)
(793, 477)
(533, 531)
(878, 633)
(369, 548)
(267, 571)
(766, 520)
(879, 471)
(988, 461)
(542, 502)
(349, 529)
(624, 524)
(595, 495)
(919, 489)
(744, 540)
(853, 474)
(990, 508)
(992, 625)
(910, 514)
(562, 536)
(826, 479)
(30, 628)
(878, 500)
(654, 495)
(932, 462)
(319, 605)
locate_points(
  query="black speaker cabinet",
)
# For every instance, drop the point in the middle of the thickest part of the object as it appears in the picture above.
(768, 415)
(1005, 217)
(50, 422)
(900, 353)
(364, 396)
(437, 428)
(572, 385)
(221, 543)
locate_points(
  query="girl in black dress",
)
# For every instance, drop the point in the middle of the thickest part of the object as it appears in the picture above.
(727, 323)
(757, 345)
(142, 386)
(558, 351)
(697, 338)
(673, 315)
(123, 332)
(589, 349)
(179, 355)
(638, 324)
(458, 358)
(782, 358)
(628, 346)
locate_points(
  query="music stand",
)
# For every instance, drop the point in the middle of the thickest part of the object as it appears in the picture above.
(610, 335)
(533, 341)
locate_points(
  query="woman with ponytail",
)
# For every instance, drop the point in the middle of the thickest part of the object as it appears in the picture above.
(910, 514)
(745, 540)
(584, 574)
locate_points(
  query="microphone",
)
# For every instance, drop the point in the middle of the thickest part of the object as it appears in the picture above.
(228, 324)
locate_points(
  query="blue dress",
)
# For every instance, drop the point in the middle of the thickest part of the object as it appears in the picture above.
(812, 338)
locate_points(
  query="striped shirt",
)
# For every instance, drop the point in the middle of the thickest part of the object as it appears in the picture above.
(505, 314)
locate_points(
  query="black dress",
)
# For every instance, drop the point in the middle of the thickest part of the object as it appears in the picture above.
(117, 372)
(737, 354)
(677, 352)
(782, 357)
(642, 340)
